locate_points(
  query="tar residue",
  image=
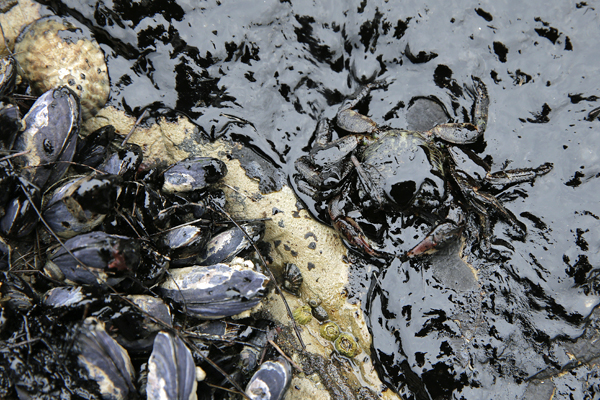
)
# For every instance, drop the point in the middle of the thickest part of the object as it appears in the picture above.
(265, 72)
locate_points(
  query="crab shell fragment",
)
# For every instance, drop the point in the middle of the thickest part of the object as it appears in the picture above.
(53, 51)
(214, 291)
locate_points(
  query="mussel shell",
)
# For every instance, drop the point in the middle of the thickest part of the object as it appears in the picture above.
(271, 381)
(171, 370)
(65, 296)
(106, 257)
(50, 134)
(92, 149)
(193, 174)
(184, 241)
(20, 216)
(8, 75)
(124, 162)
(10, 123)
(215, 291)
(225, 246)
(105, 360)
(81, 204)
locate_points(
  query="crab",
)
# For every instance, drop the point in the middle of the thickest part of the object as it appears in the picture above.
(374, 168)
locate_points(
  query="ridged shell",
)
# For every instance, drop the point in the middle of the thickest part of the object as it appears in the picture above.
(302, 315)
(330, 331)
(55, 52)
(292, 278)
(346, 345)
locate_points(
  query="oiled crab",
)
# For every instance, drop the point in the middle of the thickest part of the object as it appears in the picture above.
(414, 173)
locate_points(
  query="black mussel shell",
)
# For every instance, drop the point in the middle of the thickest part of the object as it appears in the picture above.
(21, 216)
(124, 162)
(92, 149)
(135, 326)
(171, 370)
(81, 204)
(105, 360)
(215, 291)
(153, 264)
(193, 174)
(184, 242)
(50, 135)
(10, 123)
(8, 76)
(271, 381)
(107, 259)
(225, 246)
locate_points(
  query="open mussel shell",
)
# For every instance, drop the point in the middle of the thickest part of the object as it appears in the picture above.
(215, 291)
(49, 137)
(171, 370)
(271, 381)
(193, 174)
(225, 246)
(99, 258)
(81, 204)
(105, 360)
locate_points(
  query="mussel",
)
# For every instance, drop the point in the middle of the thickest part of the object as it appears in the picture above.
(94, 258)
(271, 381)
(81, 204)
(171, 370)
(215, 291)
(105, 360)
(225, 246)
(49, 138)
(193, 174)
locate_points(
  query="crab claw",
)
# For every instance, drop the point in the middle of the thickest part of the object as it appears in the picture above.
(441, 234)
(354, 235)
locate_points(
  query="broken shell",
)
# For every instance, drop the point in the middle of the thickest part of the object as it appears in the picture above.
(330, 331)
(171, 370)
(215, 291)
(271, 381)
(105, 360)
(346, 345)
(54, 52)
(302, 315)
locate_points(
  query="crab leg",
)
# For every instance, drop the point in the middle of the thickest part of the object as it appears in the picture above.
(351, 232)
(521, 175)
(442, 233)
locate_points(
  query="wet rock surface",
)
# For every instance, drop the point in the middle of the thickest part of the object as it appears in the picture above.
(454, 324)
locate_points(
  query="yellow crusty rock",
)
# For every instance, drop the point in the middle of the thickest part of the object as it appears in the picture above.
(54, 52)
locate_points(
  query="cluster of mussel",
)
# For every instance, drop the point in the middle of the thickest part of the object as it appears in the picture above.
(117, 278)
